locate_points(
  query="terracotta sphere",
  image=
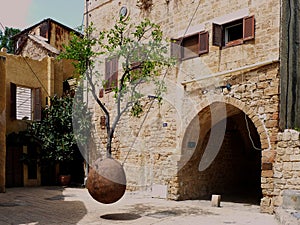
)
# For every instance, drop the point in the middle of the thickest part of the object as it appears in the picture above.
(106, 181)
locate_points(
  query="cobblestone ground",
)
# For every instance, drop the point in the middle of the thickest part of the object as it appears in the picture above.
(55, 205)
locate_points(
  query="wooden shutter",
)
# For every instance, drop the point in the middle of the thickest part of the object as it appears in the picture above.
(13, 100)
(37, 104)
(114, 75)
(107, 74)
(203, 42)
(111, 73)
(176, 49)
(248, 28)
(218, 39)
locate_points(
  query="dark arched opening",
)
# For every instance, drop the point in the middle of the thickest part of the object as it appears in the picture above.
(235, 172)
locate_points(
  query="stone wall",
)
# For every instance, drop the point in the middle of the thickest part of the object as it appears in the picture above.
(287, 164)
(2, 124)
(35, 51)
(252, 70)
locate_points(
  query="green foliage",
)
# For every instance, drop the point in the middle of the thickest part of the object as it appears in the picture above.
(80, 50)
(54, 133)
(5, 40)
(140, 49)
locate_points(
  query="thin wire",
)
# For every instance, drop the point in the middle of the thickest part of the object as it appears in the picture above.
(249, 134)
(186, 30)
(190, 22)
(35, 76)
(140, 128)
(32, 70)
(2, 26)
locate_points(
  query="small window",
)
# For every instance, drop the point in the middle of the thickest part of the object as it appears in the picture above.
(190, 47)
(25, 103)
(111, 73)
(233, 33)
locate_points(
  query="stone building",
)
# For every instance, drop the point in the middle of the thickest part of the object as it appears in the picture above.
(226, 124)
(45, 38)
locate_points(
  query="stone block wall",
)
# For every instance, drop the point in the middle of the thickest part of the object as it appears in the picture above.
(286, 172)
(160, 152)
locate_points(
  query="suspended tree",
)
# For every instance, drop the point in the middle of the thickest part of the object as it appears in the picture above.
(140, 52)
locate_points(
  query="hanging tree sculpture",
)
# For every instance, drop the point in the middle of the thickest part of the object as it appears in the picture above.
(142, 52)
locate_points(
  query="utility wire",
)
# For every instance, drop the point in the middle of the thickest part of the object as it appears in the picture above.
(31, 69)
(35, 75)
(146, 115)
(2, 26)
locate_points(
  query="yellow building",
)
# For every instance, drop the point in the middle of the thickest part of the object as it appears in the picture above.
(26, 84)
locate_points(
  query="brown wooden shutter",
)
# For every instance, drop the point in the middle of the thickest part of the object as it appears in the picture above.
(37, 104)
(114, 75)
(248, 28)
(107, 74)
(111, 73)
(203, 42)
(218, 39)
(176, 49)
(13, 100)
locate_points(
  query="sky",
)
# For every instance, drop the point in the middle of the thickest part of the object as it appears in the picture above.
(25, 13)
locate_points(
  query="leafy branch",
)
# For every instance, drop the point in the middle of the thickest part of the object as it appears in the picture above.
(142, 52)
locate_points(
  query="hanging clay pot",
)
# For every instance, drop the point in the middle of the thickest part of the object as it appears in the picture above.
(106, 181)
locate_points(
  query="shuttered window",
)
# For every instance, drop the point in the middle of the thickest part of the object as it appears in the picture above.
(234, 33)
(203, 43)
(248, 29)
(111, 73)
(190, 47)
(25, 103)
(37, 104)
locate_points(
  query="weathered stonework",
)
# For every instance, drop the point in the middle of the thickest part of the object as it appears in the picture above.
(286, 172)
(170, 155)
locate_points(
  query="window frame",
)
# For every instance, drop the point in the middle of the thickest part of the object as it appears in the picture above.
(36, 104)
(177, 46)
(111, 73)
(248, 32)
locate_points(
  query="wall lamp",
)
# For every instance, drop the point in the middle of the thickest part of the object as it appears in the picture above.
(152, 97)
(227, 86)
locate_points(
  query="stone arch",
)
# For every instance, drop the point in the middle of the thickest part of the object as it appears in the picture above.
(235, 111)
(206, 102)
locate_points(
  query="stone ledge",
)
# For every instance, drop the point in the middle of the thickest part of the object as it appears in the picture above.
(287, 217)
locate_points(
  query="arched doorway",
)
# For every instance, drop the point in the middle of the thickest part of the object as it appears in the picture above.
(235, 171)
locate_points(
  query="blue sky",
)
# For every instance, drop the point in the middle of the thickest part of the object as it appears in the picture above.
(24, 13)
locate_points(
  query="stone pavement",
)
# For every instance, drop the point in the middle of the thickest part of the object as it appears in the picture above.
(56, 205)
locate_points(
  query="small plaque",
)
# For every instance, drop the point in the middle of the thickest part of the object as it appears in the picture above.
(191, 144)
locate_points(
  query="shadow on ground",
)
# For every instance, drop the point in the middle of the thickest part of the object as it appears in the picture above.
(42, 205)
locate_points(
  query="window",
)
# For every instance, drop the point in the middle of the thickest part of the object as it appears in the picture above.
(111, 73)
(25, 103)
(233, 33)
(190, 47)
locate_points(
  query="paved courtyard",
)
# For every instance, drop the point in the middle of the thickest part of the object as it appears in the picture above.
(56, 205)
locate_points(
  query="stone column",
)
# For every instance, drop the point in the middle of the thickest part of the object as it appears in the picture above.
(2, 123)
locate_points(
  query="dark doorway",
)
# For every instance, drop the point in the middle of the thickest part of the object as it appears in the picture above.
(235, 173)
(14, 166)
